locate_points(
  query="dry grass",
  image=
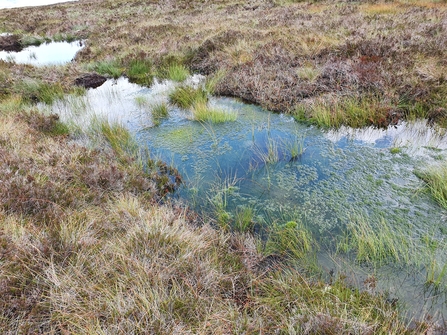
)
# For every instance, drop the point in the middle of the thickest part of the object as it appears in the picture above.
(88, 242)
(355, 48)
(87, 248)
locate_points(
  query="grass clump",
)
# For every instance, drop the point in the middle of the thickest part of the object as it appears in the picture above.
(294, 147)
(203, 113)
(378, 244)
(159, 112)
(38, 91)
(289, 240)
(28, 40)
(186, 96)
(349, 111)
(308, 73)
(11, 104)
(436, 182)
(175, 72)
(436, 274)
(110, 68)
(244, 219)
(47, 124)
(140, 72)
(117, 137)
(395, 150)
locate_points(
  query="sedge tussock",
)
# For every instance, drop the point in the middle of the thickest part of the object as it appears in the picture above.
(436, 182)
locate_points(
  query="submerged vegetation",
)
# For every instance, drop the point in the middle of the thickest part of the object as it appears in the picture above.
(91, 241)
(436, 180)
(87, 247)
(202, 112)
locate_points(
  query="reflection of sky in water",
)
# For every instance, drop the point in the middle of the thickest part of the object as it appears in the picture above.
(414, 135)
(54, 53)
(339, 173)
(26, 3)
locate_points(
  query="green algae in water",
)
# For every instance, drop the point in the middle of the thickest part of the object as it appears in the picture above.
(337, 176)
(322, 188)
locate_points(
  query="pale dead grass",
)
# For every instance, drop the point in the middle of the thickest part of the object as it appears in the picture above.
(361, 48)
(107, 259)
(382, 8)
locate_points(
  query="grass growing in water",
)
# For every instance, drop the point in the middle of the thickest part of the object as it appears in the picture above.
(436, 274)
(176, 72)
(187, 96)
(117, 137)
(377, 243)
(36, 90)
(140, 72)
(244, 219)
(436, 181)
(108, 68)
(159, 111)
(202, 112)
(108, 249)
(289, 240)
(350, 111)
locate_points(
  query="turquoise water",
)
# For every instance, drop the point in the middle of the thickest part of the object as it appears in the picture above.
(286, 170)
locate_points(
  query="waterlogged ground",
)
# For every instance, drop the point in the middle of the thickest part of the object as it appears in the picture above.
(54, 53)
(329, 180)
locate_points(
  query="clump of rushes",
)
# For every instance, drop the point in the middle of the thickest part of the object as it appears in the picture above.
(61, 37)
(436, 274)
(294, 147)
(436, 182)
(108, 68)
(38, 91)
(117, 137)
(289, 240)
(47, 124)
(176, 72)
(28, 40)
(11, 104)
(159, 111)
(350, 111)
(244, 219)
(378, 243)
(202, 112)
(186, 96)
(213, 80)
(140, 72)
(314, 310)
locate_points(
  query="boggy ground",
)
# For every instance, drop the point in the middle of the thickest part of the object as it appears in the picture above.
(89, 245)
(308, 58)
(88, 242)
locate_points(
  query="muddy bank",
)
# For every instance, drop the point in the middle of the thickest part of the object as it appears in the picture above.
(10, 43)
(90, 80)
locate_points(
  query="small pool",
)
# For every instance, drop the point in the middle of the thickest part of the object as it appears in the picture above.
(54, 53)
(338, 182)
(29, 3)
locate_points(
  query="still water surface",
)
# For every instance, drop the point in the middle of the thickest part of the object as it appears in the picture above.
(338, 177)
(54, 53)
(28, 3)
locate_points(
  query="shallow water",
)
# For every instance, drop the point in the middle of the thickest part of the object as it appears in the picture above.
(54, 53)
(29, 3)
(338, 176)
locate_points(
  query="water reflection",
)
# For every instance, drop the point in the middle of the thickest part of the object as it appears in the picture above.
(28, 3)
(54, 53)
(336, 175)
